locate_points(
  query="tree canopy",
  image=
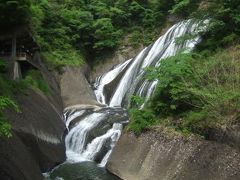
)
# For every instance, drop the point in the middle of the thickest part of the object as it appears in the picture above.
(13, 13)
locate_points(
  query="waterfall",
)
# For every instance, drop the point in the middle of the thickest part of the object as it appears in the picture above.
(93, 136)
(164, 47)
(105, 79)
(82, 141)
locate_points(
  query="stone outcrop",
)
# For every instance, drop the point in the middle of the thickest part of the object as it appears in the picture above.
(16, 161)
(75, 89)
(124, 52)
(156, 155)
(37, 142)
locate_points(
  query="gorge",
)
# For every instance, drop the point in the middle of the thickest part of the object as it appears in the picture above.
(94, 131)
(110, 90)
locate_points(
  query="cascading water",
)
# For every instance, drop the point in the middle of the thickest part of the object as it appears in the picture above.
(132, 80)
(94, 133)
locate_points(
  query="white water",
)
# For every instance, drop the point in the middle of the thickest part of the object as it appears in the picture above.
(107, 78)
(73, 116)
(164, 47)
(76, 138)
(78, 147)
(78, 150)
(97, 143)
(125, 82)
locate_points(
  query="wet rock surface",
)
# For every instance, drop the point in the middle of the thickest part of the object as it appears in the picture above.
(156, 155)
(75, 89)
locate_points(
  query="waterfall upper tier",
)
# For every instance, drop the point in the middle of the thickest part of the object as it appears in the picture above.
(116, 86)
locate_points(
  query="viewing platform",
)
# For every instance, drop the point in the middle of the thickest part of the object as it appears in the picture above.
(20, 56)
(18, 51)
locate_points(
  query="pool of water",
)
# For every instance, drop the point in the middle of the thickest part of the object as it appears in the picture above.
(80, 171)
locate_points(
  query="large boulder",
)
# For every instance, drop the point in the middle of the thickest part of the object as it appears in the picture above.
(38, 138)
(16, 162)
(37, 144)
(157, 155)
(75, 89)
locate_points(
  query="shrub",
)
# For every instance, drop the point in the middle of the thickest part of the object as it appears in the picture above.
(195, 93)
(140, 120)
(175, 91)
(5, 126)
(35, 80)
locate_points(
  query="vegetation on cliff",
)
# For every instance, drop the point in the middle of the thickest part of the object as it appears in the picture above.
(195, 93)
(70, 32)
(198, 92)
(8, 88)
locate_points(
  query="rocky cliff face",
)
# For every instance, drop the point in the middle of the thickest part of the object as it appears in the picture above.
(123, 53)
(37, 144)
(156, 155)
(75, 89)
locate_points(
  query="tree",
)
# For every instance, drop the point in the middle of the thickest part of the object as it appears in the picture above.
(14, 13)
(106, 36)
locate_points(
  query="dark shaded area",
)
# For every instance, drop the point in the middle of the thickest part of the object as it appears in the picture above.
(16, 162)
(37, 144)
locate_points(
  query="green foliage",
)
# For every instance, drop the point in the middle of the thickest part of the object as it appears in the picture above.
(185, 7)
(141, 120)
(92, 28)
(105, 34)
(2, 66)
(224, 26)
(173, 93)
(58, 59)
(5, 103)
(13, 13)
(136, 101)
(136, 38)
(7, 90)
(195, 93)
(35, 80)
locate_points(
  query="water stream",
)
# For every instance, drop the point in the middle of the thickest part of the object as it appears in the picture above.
(93, 133)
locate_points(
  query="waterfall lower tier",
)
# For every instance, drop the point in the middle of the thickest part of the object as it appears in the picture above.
(94, 136)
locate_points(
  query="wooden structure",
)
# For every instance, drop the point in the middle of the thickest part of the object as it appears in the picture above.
(16, 50)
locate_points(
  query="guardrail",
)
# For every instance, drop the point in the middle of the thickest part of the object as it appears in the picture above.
(20, 56)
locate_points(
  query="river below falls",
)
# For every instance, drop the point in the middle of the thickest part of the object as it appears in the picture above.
(80, 171)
